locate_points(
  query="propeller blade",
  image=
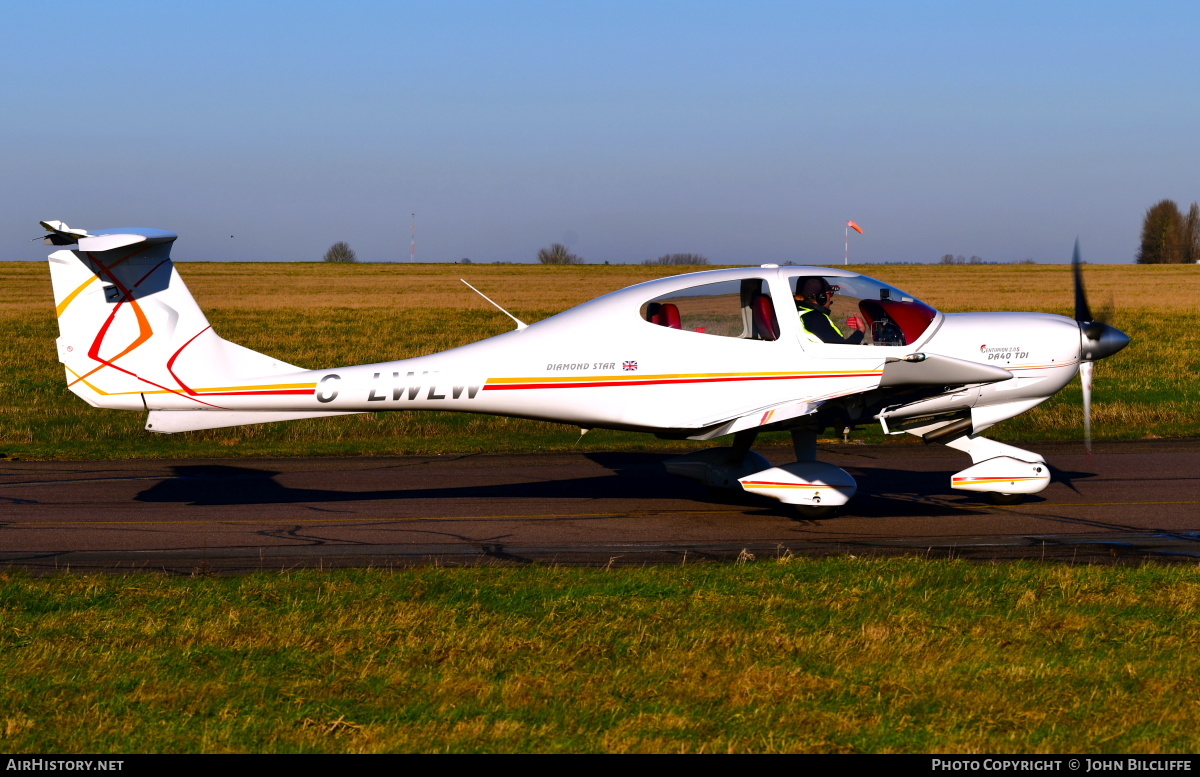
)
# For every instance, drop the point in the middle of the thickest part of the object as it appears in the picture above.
(1082, 312)
(1085, 378)
(1092, 328)
(1098, 341)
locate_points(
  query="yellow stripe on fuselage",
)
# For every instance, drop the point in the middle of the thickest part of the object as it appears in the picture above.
(199, 391)
(681, 376)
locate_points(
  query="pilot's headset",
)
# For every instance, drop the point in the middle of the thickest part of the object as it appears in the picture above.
(816, 289)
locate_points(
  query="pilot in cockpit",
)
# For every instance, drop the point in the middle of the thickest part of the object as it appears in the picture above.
(814, 298)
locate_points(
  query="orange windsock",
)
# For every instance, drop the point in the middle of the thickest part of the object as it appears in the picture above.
(854, 226)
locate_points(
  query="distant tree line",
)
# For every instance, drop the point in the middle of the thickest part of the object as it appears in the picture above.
(1170, 237)
(952, 259)
(557, 253)
(678, 259)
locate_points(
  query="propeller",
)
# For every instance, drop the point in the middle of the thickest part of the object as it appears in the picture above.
(1085, 379)
(1097, 340)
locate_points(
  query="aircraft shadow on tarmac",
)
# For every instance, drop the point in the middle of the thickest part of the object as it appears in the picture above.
(637, 476)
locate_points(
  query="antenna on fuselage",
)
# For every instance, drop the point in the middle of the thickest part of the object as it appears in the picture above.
(520, 324)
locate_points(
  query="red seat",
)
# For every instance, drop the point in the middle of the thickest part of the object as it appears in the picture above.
(671, 316)
(664, 314)
(766, 325)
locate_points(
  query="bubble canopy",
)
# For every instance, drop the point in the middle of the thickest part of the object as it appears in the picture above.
(861, 287)
(750, 303)
(890, 315)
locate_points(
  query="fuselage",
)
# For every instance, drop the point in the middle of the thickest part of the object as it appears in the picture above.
(617, 362)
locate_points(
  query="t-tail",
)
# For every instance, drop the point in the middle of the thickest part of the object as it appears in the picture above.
(131, 337)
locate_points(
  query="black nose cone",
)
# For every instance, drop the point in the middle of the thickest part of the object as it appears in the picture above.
(1099, 341)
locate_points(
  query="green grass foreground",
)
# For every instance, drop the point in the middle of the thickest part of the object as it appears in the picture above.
(825, 655)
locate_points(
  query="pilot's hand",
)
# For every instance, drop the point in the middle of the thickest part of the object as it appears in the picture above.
(854, 322)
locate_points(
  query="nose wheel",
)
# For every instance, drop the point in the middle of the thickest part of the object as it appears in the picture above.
(996, 498)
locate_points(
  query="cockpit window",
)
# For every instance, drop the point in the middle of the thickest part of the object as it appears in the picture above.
(740, 308)
(887, 315)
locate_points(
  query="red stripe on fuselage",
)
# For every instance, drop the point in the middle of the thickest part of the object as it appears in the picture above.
(255, 393)
(606, 384)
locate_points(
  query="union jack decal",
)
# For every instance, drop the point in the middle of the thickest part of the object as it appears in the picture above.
(630, 366)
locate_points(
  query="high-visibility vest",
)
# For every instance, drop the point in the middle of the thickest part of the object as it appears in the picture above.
(811, 336)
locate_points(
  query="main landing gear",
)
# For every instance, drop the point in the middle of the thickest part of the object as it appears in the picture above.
(814, 489)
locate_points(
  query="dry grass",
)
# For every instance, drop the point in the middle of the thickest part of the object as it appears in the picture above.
(1129, 289)
(317, 285)
(1166, 288)
(316, 314)
(837, 655)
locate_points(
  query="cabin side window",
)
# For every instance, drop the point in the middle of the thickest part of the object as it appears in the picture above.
(739, 308)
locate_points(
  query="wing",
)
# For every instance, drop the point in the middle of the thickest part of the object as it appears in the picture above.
(771, 414)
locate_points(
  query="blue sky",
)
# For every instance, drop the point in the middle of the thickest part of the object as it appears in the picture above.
(748, 132)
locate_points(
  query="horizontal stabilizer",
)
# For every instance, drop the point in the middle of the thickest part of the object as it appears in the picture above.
(171, 421)
(104, 239)
(99, 243)
(61, 229)
(936, 370)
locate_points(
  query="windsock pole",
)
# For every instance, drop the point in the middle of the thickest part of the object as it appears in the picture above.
(849, 226)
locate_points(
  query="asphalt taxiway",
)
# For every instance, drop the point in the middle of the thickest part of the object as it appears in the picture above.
(1128, 501)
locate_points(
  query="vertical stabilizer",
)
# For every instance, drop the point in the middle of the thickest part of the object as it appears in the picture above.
(131, 336)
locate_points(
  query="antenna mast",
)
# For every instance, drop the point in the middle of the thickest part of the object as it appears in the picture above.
(412, 251)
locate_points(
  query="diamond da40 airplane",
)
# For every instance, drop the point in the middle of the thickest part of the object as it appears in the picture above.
(696, 356)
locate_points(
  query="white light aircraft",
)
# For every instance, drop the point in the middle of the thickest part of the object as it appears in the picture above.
(696, 356)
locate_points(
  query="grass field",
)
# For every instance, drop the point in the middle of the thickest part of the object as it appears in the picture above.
(318, 315)
(786, 655)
